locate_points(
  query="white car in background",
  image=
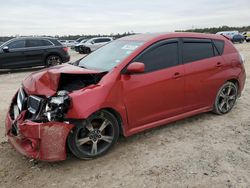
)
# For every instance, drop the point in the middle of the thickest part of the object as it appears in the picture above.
(93, 44)
(67, 43)
(78, 45)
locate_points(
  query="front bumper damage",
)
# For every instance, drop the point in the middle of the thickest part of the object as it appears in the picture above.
(42, 141)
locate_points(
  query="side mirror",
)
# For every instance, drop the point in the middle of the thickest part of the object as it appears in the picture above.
(92, 42)
(6, 49)
(135, 67)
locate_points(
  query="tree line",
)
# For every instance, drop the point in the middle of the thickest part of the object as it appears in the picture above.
(70, 37)
(118, 35)
(217, 29)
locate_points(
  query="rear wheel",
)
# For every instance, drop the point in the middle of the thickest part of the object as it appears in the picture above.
(53, 60)
(95, 136)
(225, 98)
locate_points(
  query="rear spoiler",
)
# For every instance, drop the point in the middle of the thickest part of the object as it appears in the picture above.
(226, 37)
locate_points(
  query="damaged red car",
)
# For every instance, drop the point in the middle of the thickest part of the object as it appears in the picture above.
(129, 85)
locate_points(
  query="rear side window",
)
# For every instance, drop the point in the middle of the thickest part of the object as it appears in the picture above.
(37, 43)
(101, 40)
(195, 50)
(219, 44)
(17, 44)
(55, 42)
(159, 57)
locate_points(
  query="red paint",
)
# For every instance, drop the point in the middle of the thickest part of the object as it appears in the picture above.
(135, 67)
(43, 141)
(143, 101)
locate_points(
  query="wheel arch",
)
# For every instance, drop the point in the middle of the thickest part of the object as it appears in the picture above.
(236, 82)
(118, 116)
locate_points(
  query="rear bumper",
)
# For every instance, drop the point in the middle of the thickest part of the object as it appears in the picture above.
(242, 79)
(42, 141)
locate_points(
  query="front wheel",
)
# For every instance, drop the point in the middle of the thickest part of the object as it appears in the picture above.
(95, 136)
(87, 51)
(226, 98)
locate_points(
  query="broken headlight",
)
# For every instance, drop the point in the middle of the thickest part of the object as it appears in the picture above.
(58, 106)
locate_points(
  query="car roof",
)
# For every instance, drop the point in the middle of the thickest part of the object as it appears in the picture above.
(47, 38)
(100, 38)
(158, 36)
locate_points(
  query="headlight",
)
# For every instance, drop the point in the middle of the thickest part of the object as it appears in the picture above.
(57, 100)
(58, 106)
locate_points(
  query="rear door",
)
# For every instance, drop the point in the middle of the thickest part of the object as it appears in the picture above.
(36, 51)
(15, 57)
(204, 73)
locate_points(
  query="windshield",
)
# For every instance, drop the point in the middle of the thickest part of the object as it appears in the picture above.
(110, 55)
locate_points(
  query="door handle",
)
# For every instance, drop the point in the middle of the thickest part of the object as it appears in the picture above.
(177, 75)
(218, 64)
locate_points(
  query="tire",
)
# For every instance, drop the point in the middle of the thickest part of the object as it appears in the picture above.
(53, 60)
(242, 41)
(226, 98)
(95, 136)
(87, 51)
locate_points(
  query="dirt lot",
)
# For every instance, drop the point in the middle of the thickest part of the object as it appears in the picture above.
(203, 151)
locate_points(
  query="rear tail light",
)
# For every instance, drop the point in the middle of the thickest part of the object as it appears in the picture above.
(65, 49)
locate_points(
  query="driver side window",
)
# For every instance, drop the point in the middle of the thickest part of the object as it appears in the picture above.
(160, 56)
(17, 44)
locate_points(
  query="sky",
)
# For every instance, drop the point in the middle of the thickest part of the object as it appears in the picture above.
(72, 17)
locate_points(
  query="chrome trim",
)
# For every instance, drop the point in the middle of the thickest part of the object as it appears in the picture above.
(20, 99)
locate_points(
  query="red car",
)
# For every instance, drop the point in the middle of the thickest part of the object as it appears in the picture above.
(129, 85)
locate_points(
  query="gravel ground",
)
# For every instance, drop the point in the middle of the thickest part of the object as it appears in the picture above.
(202, 151)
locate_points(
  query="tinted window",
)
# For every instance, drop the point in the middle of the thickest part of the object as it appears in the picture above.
(101, 40)
(219, 44)
(194, 51)
(55, 42)
(17, 44)
(37, 43)
(160, 57)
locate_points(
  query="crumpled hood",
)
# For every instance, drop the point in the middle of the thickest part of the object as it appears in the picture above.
(46, 81)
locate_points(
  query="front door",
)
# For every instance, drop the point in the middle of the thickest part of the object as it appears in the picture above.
(157, 93)
(14, 57)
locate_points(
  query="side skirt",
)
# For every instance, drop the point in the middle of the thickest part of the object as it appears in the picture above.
(167, 120)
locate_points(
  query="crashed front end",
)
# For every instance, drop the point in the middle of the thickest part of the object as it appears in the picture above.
(35, 125)
(44, 110)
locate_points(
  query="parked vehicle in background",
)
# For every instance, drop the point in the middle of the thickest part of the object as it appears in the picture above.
(238, 38)
(77, 41)
(32, 51)
(80, 44)
(228, 34)
(63, 42)
(67, 43)
(129, 85)
(93, 44)
(70, 43)
(246, 35)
